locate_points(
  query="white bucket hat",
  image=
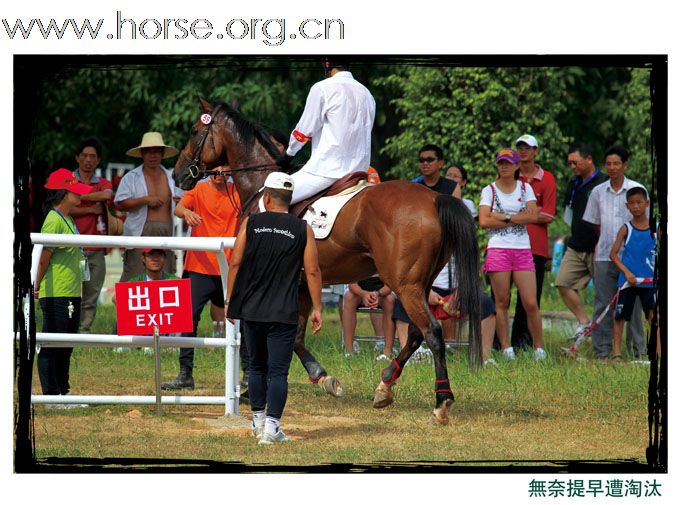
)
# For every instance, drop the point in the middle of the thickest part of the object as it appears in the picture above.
(152, 139)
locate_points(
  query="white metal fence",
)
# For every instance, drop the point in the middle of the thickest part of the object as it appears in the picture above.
(231, 343)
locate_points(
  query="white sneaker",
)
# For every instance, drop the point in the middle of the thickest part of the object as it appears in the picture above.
(540, 354)
(489, 362)
(121, 349)
(381, 357)
(380, 345)
(278, 438)
(509, 353)
(257, 430)
(421, 354)
(579, 332)
(355, 346)
(148, 350)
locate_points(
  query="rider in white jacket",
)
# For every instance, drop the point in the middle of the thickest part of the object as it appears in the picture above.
(338, 118)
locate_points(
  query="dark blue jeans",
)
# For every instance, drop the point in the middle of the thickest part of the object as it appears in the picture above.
(54, 362)
(270, 348)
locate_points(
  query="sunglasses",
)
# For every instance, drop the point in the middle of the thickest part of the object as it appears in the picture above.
(429, 159)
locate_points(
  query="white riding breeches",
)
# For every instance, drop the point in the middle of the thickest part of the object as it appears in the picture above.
(307, 184)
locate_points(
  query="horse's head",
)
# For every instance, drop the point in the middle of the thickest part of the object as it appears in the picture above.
(204, 151)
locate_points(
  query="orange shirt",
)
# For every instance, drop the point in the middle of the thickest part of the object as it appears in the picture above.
(219, 219)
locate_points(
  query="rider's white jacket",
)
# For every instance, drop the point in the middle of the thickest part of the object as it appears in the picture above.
(337, 120)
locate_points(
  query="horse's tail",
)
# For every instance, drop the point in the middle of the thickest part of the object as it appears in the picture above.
(460, 243)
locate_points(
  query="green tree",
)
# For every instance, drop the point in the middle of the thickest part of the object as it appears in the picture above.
(472, 113)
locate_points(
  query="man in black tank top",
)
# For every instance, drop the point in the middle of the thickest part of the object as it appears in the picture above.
(262, 291)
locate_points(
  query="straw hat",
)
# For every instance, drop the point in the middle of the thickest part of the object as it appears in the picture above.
(152, 139)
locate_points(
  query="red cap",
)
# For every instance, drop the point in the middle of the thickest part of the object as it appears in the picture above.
(64, 179)
(149, 249)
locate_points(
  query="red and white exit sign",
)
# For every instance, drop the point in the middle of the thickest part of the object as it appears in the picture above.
(142, 305)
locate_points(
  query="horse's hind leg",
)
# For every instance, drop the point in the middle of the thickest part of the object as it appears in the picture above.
(315, 371)
(444, 398)
(383, 395)
(423, 324)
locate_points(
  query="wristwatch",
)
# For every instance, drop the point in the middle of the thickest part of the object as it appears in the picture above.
(508, 218)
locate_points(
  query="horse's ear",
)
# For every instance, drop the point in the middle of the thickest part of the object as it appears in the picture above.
(206, 106)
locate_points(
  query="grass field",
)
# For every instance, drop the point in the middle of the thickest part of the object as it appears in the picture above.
(521, 411)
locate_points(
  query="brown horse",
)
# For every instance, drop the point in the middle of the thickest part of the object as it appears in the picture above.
(400, 230)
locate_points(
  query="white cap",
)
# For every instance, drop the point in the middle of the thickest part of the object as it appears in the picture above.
(279, 180)
(527, 139)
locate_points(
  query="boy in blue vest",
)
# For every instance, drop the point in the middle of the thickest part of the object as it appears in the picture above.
(637, 261)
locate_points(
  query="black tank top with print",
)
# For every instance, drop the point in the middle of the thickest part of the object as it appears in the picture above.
(266, 285)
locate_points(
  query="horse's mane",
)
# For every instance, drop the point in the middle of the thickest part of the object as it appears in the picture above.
(250, 132)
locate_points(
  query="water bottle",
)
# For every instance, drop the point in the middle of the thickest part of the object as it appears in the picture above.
(558, 252)
(101, 226)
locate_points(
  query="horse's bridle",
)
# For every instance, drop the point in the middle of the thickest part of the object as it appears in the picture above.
(195, 172)
(193, 167)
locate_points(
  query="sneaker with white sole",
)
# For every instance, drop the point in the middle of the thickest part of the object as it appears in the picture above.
(421, 354)
(382, 357)
(580, 331)
(257, 430)
(489, 362)
(278, 438)
(508, 353)
(540, 354)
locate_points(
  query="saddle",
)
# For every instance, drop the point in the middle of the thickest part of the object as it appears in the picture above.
(337, 187)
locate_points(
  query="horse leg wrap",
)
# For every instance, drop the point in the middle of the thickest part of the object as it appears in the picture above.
(391, 373)
(442, 386)
(314, 369)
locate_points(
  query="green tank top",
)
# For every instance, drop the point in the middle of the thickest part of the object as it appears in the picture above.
(62, 278)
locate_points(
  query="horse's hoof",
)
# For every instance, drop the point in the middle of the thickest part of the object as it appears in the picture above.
(440, 415)
(383, 396)
(331, 386)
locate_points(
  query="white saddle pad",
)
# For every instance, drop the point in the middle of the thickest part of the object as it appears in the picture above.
(322, 214)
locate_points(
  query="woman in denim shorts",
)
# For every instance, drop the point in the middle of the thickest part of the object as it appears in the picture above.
(506, 206)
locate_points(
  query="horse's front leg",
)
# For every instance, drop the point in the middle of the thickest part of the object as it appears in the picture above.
(315, 371)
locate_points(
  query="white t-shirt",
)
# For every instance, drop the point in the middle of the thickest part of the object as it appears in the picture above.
(511, 237)
(442, 279)
(470, 206)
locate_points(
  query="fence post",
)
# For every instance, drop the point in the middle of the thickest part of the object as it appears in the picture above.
(157, 374)
(232, 349)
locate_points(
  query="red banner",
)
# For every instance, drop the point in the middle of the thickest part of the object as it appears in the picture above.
(142, 305)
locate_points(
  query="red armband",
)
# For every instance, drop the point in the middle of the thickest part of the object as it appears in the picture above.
(301, 137)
